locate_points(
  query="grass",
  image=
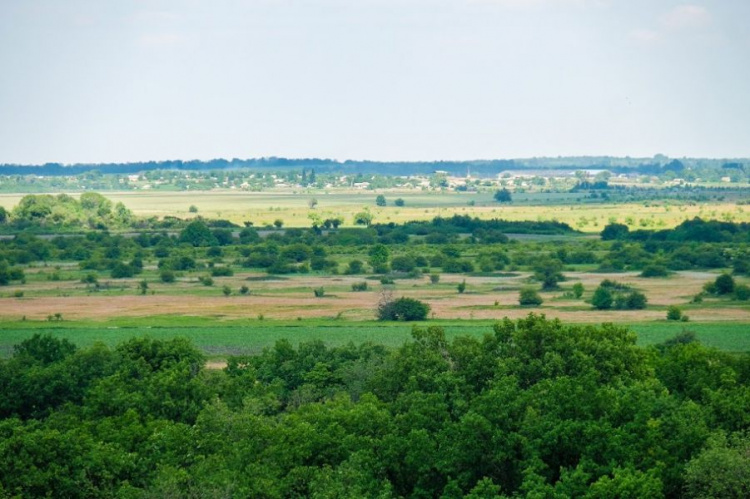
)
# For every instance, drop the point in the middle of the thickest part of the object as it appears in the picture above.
(220, 339)
(291, 206)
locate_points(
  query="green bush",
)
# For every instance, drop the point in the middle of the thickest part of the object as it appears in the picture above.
(655, 271)
(403, 309)
(602, 299)
(674, 313)
(742, 292)
(528, 297)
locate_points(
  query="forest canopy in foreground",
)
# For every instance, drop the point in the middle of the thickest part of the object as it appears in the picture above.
(536, 408)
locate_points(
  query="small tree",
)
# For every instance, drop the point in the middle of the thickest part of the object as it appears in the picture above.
(434, 278)
(742, 292)
(461, 286)
(380, 200)
(528, 297)
(278, 223)
(503, 196)
(724, 284)
(403, 309)
(319, 292)
(193, 209)
(578, 290)
(143, 287)
(602, 299)
(674, 313)
(167, 275)
(226, 290)
(399, 202)
(355, 267)
(244, 290)
(363, 218)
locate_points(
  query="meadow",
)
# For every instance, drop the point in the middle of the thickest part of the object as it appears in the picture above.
(293, 207)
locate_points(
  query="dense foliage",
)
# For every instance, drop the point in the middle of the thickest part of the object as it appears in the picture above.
(533, 409)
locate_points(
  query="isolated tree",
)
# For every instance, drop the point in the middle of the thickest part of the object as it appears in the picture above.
(403, 309)
(724, 284)
(363, 218)
(193, 209)
(380, 200)
(399, 202)
(461, 286)
(143, 287)
(674, 313)
(278, 223)
(602, 299)
(503, 196)
(313, 203)
(578, 290)
(528, 297)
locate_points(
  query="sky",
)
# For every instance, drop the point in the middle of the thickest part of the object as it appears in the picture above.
(87, 81)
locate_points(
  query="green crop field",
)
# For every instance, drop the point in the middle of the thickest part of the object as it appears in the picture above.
(219, 340)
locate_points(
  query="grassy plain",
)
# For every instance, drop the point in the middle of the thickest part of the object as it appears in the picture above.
(287, 308)
(223, 325)
(292, 206)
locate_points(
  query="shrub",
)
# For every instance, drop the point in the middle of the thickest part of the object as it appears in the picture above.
(206, 280)
(578, 290)
(434, 278)
(221, 272)
(403, 263)
(528, 297)
(674, 313)
(319, 292)
(403, 309)
(635, 301)
(167, 275)
(724, 284)
(359, 286)
(461, 286)
(355, 267)
(122, 270)
(399, 202)
(226, 290)
(742, 292)
(380, 200)
(655, 271)
(602, 299)
(89, 279)
(244, 290)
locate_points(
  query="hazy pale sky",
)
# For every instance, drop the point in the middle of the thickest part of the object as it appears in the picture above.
(133, 80)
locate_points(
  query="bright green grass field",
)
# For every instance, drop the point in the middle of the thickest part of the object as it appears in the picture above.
(219, 340)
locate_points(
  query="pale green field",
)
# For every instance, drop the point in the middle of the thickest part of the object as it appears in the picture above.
(292, 207)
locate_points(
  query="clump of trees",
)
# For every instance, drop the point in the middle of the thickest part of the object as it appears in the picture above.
(611, 294)
(500, 415)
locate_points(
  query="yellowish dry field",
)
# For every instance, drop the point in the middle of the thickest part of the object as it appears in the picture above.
(292, 207)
